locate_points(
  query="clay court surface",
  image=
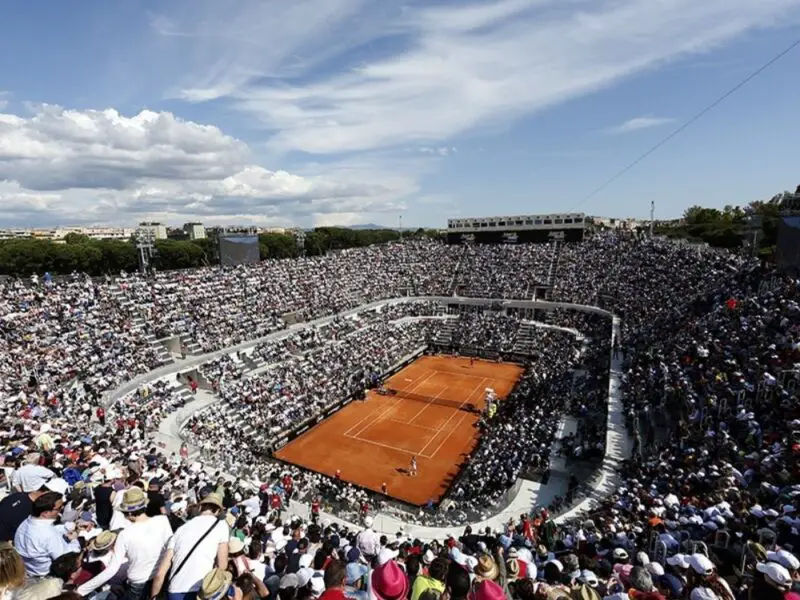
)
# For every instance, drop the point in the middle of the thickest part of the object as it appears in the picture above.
(372, 442)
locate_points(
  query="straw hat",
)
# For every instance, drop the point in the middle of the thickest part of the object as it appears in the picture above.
(585, 592)
(133, 499)
(104, 541)
(235, 545)
(213, 499)
(486, 568)
(215, 585)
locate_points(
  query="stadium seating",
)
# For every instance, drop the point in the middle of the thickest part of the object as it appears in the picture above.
(706, 358)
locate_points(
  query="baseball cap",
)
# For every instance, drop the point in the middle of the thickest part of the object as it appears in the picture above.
(785, 559)
(289, 581)
(679, 560)
(701, 564)
(304, 575)
(776, 574)
(31, 478)
(57, 485)
(355, 571)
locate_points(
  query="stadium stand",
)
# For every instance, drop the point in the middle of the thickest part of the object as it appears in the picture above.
(706, 507)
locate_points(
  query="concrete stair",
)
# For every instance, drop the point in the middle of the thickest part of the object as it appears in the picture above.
(444, 335)
(192, 347)
(525, 339)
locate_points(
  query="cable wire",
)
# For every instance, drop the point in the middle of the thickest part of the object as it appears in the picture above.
(691, 121)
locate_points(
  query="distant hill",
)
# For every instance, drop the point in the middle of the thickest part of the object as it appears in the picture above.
(369, 226)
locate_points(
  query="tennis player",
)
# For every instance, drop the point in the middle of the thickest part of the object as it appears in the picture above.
(412, 468)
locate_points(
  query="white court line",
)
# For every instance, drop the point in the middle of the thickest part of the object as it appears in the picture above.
(378, 409)
(431, 401)
(381, 444)
(455, 412)
(461, 374)
(493, 377)
(386, 410)
(447, 437)
(411, 424)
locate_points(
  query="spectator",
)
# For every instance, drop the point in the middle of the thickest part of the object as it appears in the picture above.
(39, 540)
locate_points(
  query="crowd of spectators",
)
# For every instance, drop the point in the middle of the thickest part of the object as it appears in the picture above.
(706, 509)
(288, 393)
(588, 395)
(522, 432)
(486, 330)
(54, 333)
(503, 271)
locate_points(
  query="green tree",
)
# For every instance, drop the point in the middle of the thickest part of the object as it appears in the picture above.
(278, 245)
(177, 254)
(76, 238)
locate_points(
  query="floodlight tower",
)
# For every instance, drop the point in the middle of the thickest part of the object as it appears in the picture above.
(145, 244)
(652, 216)
(300, 239)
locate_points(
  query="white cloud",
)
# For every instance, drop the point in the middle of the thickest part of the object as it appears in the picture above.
(639, 123)
(440, 151)
(57, 165)
(3, 99)
(362, 76)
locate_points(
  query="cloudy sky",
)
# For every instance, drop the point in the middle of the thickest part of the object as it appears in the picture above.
(314, 112)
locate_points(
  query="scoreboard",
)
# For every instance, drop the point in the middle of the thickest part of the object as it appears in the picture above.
(520, 229)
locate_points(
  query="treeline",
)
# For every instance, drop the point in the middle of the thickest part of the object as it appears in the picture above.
(733, 226)
(78, 253)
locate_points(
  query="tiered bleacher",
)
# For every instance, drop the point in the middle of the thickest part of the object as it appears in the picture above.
(706, 509)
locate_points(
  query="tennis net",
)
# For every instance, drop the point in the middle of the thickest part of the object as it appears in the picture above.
(438, 401)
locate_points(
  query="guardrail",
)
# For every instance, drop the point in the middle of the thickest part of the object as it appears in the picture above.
(194, 361)
(389, 523)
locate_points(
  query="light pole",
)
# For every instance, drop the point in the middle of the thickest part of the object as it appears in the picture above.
(300, 239)
(145, 238)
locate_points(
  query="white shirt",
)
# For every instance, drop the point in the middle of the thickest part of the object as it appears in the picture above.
(368, 542)
(202, 559)
(142, 544)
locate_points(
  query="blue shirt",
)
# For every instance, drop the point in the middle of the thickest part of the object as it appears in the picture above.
(39, 542)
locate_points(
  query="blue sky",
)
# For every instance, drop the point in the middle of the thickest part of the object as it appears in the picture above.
(318, 112)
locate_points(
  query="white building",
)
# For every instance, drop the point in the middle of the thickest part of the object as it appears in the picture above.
(58, 234)
(157, 230)
(195, 231)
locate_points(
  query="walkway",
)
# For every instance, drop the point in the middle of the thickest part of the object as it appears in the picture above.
(168, 435)
(619, 445)
(530, 493)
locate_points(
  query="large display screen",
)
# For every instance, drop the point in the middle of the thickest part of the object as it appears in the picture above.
(238, 250)
(788, 250)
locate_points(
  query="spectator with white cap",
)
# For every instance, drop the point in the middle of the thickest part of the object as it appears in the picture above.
(703, 574)
(17, 506)
(368, 542)
(772, 582)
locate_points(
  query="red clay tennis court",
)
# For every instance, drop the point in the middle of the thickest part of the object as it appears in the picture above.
(372, 442)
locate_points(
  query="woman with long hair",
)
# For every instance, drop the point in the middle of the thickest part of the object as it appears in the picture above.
(12, 570)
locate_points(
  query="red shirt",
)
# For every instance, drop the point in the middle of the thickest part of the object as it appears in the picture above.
(333, 594)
